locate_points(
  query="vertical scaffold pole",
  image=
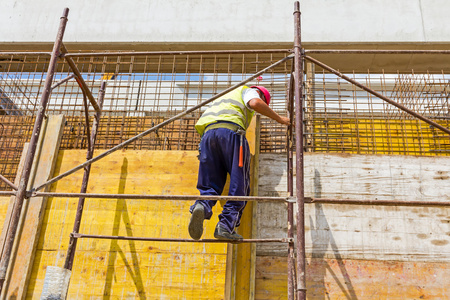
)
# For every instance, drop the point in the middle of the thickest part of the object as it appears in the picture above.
(290, 183)
(87, 171)
(23, 183)
(298, 76)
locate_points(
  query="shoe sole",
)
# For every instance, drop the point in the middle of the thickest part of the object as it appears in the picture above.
(196, 224)
(222, 238)
(225, 238)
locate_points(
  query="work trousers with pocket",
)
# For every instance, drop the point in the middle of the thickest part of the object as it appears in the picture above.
(219, 156)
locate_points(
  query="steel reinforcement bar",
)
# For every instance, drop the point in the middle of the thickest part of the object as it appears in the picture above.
(369, 90)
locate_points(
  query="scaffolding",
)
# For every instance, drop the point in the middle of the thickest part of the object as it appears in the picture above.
(151, 100)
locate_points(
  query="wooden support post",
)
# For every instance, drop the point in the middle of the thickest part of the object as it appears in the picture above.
(242, 258)
(19, 271)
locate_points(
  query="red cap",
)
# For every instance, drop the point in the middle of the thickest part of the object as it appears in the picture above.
(264, 91)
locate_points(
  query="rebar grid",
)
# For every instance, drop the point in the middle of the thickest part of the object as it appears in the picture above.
(146, 89)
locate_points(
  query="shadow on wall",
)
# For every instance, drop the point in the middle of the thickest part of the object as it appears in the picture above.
(122, 213)
(322, 237)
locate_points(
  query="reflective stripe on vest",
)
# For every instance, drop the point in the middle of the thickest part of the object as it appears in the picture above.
(230, 108)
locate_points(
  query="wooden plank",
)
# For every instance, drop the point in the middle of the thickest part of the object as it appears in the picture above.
(356, 279)
(243, 285)
(20, 267)
(255, 192)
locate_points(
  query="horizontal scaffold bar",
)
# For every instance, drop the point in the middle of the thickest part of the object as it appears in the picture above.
(150, 53)
(354, 51)
(144, 239)
(377, 202)
(160, 197)
(22, 53)
(306, 51)
(236, 198)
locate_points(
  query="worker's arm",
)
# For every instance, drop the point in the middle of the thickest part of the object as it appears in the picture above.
(261, 107)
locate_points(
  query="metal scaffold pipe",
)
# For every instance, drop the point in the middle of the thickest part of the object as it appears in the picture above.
(21, 192)
(87, 171)
(290, 183)
(298, 76)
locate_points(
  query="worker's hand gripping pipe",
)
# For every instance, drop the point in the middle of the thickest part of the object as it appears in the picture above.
(241, 152)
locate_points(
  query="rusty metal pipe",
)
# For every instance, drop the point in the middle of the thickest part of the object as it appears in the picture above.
(80, 79)
(377, 202)
(25, 53)
(70, 256)
(156, 197)
(148, 131)
(86, 117)
(301, 258)
(21, 192)
(140, 53)
(361, 86)
(290, 184)
(62, 81)
(132, 238)
(237, 198)
(319, 51)
(5, 180)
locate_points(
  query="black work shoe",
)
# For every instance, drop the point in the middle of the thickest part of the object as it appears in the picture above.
(223, 234)
(196, 222)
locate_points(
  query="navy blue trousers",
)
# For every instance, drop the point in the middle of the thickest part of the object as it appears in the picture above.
(219, 156)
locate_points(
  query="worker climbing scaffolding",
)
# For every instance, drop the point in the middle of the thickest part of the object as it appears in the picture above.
(224, 150)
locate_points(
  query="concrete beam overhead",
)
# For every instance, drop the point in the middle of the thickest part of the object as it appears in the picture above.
(168, 25)
(231, 21)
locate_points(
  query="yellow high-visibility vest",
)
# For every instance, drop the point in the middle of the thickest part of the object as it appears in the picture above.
(230, 108)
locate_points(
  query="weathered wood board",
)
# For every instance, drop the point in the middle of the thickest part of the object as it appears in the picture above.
(355, 279)
(369, 231)
(32, 211)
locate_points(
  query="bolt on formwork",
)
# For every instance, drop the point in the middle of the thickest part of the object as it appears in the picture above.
(146, 73)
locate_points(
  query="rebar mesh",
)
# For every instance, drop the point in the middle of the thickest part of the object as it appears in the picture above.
(340, 117)
(145, 90)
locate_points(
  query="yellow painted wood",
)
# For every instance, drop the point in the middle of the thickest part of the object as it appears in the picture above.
(4, 202)
(244, 279)
(380, 136)
(131, 269)
(6, 218)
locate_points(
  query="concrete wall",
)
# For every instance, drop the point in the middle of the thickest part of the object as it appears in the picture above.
(232, 21)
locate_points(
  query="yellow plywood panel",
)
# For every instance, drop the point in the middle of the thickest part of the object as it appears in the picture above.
(380, 136)
(4, 201)
(245, 253)
(131, 269)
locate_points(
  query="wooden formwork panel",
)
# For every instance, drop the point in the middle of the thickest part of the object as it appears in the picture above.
(355, 279)
(122, 269)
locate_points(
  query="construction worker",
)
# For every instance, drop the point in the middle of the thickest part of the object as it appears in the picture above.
(224, 149)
